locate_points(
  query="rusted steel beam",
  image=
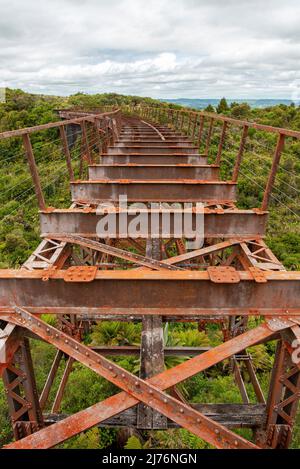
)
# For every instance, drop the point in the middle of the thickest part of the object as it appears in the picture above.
(247, 224)
(34, 171)
(148, 172)
(138, 292)
(283, 398)
(154, 158)
(272, 175)
(144, 144)
(104, 410)
(10, 337)
(50, 379)
(52, 125)
(21, 391)
(148, 150)
(242, 123)
(202, 252)
(141, 390)
(153, 190)
(149, 140)
(133, 350)
(244, 224)
(144, 139)
(62, 385)
(116, 252)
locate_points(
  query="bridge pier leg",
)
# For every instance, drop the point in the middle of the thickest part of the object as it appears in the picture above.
(282, 401)
(152, 353)
(22, 395)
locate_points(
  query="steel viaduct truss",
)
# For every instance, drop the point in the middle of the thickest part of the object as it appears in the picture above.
(151, 155)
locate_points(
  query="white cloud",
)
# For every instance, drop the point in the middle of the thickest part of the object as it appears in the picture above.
(162, 48)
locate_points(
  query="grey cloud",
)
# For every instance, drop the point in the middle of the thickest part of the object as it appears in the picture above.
(162, 48)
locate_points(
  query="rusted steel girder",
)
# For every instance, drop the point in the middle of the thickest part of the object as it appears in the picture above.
(102, 411)
(155, 143)
(116, 252)
(159, 150)
(155, 190)
(144, 391)
(145, 172)
(153, 158)
(10, 339)
(134, 139)
(217, 223)
(139, 292)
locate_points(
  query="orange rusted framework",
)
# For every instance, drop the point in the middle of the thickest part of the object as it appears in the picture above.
(151, 154)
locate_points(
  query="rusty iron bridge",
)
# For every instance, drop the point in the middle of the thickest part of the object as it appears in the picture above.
(151, 155)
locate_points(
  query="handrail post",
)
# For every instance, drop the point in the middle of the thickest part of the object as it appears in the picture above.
(189, 124)
(86, 142)
(98, 137)
(239, 157)
(182, 120)
(221, 143)
(200, 130)
(209, 135)
(272, 175)
(177, 120)
(66, 151)
(34, 171)
(194, 126)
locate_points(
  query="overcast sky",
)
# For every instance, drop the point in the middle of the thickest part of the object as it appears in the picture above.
(158, 48)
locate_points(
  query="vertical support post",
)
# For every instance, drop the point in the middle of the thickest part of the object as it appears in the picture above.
(22, 395)
(182, 121)
(239, 157)
(189, 124)
(66, 151)
(152, 353)
(34, 172)
(221, 143)
(177, 120)
(272, 175)
(282, 401)
(194, 126)
(201, 125)
(210, 129)
(98, 138)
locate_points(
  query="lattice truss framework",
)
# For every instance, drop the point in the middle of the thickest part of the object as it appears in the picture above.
(83, 279)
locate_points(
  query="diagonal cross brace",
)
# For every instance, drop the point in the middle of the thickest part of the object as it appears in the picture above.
(116, 252)
(140, 390)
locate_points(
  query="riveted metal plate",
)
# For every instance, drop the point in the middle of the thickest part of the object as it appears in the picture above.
(82, 273)
(258, 275)
(223, 274)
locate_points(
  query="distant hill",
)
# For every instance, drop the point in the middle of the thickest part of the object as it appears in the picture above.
(203, 103)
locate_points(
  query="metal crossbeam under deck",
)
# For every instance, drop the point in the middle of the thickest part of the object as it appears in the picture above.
(217, 223)
(145, 172)
(147, 292)
(156, 191)
(153, 158)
